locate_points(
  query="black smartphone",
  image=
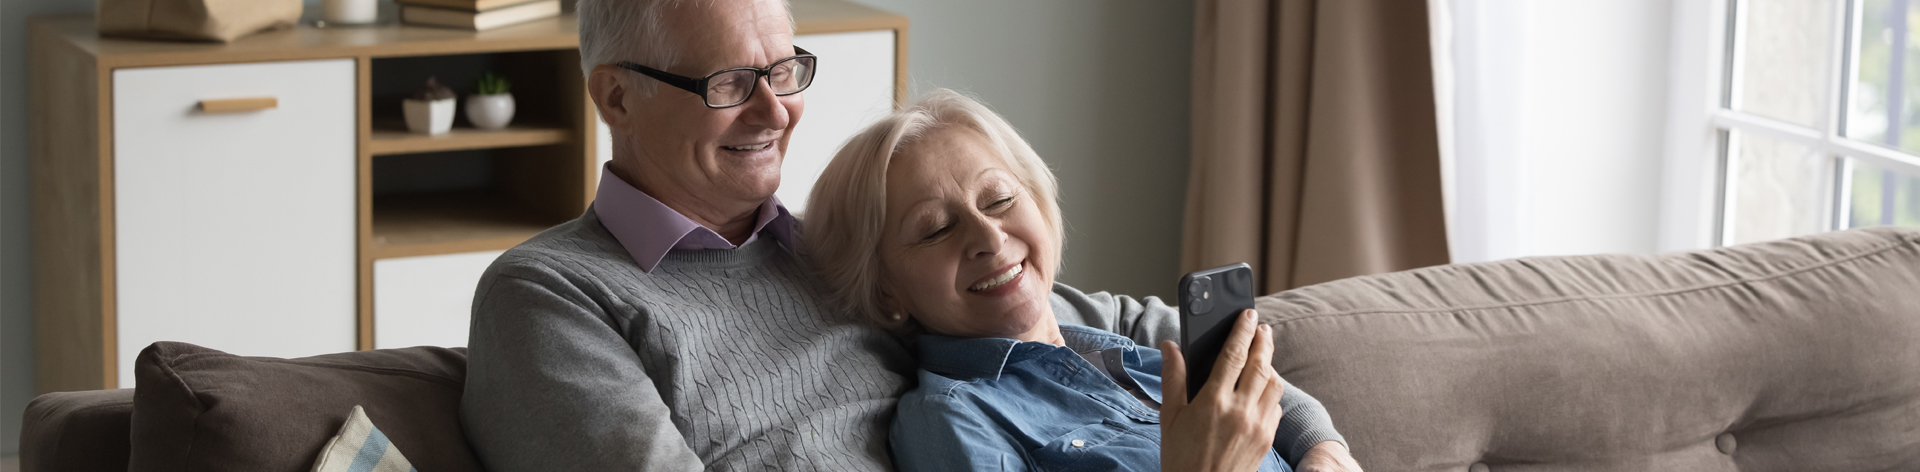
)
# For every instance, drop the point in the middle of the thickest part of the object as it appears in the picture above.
(1210, 301)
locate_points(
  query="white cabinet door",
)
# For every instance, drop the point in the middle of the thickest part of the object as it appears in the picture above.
(426, 300)
(853, 88)
(235, 231)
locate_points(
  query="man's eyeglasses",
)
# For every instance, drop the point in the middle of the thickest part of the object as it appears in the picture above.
(732, 87)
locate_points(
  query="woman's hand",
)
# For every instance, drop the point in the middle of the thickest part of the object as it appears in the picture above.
(1226, 427)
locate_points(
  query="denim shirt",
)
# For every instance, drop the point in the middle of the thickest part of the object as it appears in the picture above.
(1002, 404)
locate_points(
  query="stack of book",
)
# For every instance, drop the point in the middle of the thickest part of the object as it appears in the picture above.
(475, 15)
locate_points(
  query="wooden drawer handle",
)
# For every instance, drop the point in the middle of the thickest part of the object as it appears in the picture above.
(239, 105)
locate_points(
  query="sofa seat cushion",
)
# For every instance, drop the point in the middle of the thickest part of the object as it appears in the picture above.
(1800, 354)
(204, 410)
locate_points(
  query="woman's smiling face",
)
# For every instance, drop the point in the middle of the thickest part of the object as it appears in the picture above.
(965, 250)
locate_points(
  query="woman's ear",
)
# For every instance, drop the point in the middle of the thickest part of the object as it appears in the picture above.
(895, 313)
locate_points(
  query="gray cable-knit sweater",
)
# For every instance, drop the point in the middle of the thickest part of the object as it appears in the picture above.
(718, 359)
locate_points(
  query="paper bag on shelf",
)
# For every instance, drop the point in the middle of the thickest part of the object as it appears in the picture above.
(194, 20)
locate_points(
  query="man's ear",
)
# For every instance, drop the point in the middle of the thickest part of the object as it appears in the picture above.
(609, 94)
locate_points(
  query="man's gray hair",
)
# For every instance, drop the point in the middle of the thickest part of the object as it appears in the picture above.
(631, 30)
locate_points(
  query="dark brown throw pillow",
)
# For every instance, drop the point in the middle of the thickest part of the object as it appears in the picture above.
(204, 410)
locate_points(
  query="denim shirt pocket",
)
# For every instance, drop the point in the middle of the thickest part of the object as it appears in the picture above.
(1107, 445)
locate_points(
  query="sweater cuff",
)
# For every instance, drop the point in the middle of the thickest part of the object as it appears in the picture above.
(1312, 432)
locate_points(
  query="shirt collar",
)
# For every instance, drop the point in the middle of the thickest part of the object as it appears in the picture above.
(649, 229)
(976, 358)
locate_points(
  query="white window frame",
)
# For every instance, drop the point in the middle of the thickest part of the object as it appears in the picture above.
(1695, 208)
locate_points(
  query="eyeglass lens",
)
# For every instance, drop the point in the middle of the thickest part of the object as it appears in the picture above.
(735, 86)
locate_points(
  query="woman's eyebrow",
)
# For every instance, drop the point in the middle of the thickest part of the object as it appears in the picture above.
(919, 213)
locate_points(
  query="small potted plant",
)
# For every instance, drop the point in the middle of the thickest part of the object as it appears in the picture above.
(490, 106)
(430, 110)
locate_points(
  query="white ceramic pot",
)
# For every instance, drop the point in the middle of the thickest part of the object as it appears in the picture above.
(429, 116)
(490, 111)
(350, 12)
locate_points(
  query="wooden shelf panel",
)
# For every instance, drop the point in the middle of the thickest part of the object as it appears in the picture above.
(390, 140)
(447, 223)
(306, 42)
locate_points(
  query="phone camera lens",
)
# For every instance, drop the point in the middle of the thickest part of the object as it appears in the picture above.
(1199, 298)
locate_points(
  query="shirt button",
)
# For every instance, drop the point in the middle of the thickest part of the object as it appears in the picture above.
(1079, 443)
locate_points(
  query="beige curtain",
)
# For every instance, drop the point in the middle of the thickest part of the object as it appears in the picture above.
(1315, 151)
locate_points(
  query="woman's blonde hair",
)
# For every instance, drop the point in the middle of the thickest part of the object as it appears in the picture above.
(848, 209)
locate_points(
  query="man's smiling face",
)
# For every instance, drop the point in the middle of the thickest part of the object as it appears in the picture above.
(728, 153)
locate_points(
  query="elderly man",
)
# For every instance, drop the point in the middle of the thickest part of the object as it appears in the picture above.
(671, 326)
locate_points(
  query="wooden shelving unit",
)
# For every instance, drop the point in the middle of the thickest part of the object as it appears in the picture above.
(397, 140)
(513, 183)
(451, 222)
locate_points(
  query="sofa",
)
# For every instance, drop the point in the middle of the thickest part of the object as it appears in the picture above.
(1798, 354)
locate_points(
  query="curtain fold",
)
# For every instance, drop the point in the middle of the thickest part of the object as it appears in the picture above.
(1316, 153)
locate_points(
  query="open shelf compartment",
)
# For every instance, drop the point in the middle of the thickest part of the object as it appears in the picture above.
(474, 200)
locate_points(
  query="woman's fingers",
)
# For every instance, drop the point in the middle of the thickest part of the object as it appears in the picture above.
(1253, 377)
(1233, 356)
(1173, 380)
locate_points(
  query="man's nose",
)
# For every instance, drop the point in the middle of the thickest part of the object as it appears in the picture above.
(763, 108)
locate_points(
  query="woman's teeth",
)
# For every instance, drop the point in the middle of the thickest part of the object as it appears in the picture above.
(749, 147)
(998, 281)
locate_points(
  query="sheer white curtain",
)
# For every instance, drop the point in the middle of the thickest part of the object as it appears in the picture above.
(1555, 123)
(1479, 82)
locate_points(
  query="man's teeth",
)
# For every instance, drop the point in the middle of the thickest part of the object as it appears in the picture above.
(749, 147)
(998, 281)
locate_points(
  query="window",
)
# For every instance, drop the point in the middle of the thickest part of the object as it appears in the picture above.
(1817, 117)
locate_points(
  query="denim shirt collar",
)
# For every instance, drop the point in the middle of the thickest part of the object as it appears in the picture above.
(986, 358)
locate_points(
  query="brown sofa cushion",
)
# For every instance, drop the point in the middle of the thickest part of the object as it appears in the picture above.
(204, 410)
(77, 431)
(1800, 354)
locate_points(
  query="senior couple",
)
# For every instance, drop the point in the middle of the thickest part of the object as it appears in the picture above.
(686, 321)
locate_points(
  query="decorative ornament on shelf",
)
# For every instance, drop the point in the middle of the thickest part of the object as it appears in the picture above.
(430, 110)
(490, 107)
(350, 12)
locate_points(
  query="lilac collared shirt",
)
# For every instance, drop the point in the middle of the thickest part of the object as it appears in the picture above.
(648, 228)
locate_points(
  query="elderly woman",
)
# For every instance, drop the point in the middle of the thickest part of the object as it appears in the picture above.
(939, 222)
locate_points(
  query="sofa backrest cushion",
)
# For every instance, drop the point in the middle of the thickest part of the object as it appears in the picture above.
(77, 431)
(204, 410)
(1800, 354)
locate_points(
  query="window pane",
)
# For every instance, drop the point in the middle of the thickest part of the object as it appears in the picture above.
(1784, 67)
(1882, 197)
(1778, 189)
(1886, 73)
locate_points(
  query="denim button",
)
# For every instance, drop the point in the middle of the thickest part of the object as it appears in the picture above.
(1079, 443)
(1725, 443)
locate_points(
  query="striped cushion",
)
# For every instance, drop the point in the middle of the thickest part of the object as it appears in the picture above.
(360, 447)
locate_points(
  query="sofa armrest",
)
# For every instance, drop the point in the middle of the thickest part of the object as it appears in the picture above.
(77, 431)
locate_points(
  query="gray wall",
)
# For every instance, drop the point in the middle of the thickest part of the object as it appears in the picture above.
(1099, 87)
(16, 314)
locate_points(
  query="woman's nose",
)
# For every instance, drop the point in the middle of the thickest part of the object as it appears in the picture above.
(984, 239)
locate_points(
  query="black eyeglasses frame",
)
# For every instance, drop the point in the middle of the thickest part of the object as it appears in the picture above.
(699, 86)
